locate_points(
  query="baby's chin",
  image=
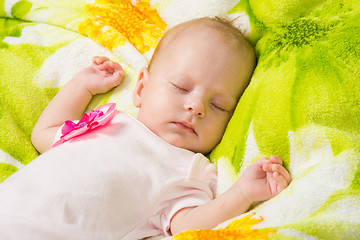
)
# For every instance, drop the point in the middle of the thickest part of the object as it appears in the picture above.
(189, 146)
(189, 143)
(179, 142)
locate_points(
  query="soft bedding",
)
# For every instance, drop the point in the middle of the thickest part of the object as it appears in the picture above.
(302, 103)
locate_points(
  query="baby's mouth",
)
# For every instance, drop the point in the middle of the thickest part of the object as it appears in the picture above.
(186, 126)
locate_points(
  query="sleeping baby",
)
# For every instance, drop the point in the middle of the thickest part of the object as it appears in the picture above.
(111, 176)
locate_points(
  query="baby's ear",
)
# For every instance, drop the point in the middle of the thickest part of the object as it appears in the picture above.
(140, 85)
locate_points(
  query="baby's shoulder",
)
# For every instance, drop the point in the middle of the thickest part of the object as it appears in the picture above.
(202, 168)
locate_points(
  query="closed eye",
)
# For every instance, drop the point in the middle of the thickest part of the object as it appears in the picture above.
(218, 107)
(177, 87)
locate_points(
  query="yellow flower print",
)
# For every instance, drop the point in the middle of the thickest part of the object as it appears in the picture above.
(112, 22)
(237, 229)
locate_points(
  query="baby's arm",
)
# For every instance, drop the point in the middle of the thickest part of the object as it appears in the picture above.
(72, 99)
(261, 181)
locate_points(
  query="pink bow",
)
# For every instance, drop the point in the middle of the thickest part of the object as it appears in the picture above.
(96, 118)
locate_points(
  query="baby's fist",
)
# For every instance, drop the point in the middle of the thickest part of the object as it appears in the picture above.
(102, 76)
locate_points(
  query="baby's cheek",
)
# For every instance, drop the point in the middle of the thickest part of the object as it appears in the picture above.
(212, 137)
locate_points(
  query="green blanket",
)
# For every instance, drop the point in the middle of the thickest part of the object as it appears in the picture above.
(302, 104)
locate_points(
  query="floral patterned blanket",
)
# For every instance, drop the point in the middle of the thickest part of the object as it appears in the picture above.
(302, 104)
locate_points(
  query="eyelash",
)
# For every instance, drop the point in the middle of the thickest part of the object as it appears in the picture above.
(219, 108)
(179, 88)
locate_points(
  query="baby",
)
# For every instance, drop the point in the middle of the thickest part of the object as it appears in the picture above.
(135, 178)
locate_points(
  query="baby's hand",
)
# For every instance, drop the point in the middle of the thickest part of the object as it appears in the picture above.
(102, 76)
(264, 179)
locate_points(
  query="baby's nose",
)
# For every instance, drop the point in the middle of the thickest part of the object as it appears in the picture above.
(197, 108)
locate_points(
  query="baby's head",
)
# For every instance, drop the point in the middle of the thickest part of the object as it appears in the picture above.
(197, 74)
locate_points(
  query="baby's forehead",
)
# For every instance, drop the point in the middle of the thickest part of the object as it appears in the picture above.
(222, 32)
(225, 36)
(194, 29)
(181, 40)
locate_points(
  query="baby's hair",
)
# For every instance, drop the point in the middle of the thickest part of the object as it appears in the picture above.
(224, 29)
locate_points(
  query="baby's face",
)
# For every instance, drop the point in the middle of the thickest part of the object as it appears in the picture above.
(191, 91)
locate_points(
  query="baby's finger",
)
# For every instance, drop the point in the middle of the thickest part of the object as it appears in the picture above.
(100, 60)
(279, 169)
(106, 66)
(94, 59)
(116, 66)
(110, 67)
(262, 161)
(283, 172)
(271, 167)
(118, 75)
(281, 182)
(275, 159)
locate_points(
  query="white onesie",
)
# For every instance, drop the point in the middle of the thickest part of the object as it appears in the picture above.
(119, 181)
